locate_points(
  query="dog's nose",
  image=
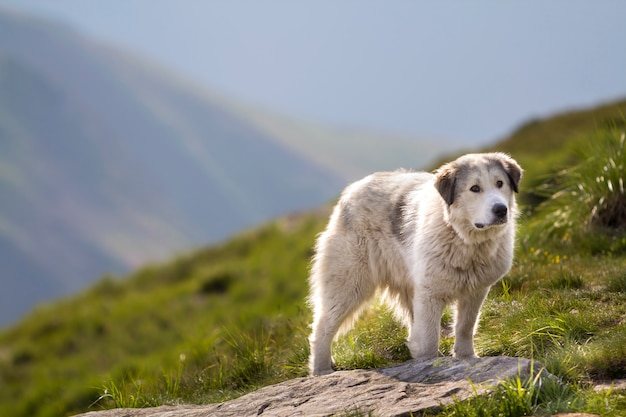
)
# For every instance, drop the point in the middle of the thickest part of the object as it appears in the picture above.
(499, 210)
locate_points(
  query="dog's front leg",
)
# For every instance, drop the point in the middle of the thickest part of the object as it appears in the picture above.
(466, 318)
(424, 334)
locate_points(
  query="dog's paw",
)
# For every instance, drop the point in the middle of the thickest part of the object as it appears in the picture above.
(322, 369)
(322, 372)
(421, 353)
(470, 355)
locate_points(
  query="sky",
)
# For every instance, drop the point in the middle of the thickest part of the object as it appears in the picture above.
(464, 72)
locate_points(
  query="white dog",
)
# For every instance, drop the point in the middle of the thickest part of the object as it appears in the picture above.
(426, 240)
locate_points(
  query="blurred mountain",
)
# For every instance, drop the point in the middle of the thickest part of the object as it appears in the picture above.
(108, 161)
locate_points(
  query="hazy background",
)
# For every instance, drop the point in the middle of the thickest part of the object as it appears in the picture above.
(131, 131)
(465, 72)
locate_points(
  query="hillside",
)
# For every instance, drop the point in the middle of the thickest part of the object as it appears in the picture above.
(228, 318)
(108, 161)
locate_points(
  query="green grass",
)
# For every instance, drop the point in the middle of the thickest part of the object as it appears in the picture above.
(590, 195)
(536, 396)
(377, 340)
(227, 319)
(131, 334)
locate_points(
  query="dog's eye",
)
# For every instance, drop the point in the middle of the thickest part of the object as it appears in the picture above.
(499, 184)
(475, 189)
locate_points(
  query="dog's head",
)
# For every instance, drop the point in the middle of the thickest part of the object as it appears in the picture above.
(479, 189)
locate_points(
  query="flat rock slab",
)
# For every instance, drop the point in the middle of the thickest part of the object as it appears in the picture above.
(614, 385)
(412, 387)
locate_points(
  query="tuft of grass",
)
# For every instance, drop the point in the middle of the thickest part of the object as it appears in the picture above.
(567, 281)
(536, 396)
(377, 340)
(253, 355)
(514, 398)
(617, 284)
(604, 359)
(589, 196)
(128, 394)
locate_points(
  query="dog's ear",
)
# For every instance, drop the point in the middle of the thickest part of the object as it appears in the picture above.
(514, 172)
(445, 182)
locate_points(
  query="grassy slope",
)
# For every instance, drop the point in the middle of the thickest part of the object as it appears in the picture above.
(230, 318)
(59, 357)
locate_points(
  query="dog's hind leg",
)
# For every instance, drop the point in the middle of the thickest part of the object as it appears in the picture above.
(337, 299)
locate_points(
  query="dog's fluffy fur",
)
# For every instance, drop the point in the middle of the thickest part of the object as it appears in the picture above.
(426, 240)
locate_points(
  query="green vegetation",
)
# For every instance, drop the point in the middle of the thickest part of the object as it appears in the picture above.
(228, 319)
(588, 198)
(536, 396)
(205, 327)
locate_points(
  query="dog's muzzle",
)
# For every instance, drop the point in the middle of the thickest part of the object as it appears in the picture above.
(500, 213)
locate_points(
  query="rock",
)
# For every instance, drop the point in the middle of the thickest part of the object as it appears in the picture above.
(412, 387)
(613, 385)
